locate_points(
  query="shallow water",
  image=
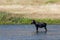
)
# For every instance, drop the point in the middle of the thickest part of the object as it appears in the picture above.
(28, 32)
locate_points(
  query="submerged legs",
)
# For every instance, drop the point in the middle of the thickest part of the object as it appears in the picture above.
(45, 29)
(36, 29)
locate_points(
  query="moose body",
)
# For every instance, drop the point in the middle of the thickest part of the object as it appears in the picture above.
(39, 25)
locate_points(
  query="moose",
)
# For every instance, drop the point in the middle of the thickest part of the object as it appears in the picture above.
(39, 25)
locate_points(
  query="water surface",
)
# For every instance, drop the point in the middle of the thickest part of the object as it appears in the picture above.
(28, 32)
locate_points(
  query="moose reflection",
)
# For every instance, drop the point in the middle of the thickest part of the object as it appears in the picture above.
(39, 25)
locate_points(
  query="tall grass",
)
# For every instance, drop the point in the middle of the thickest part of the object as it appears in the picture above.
(6, 18)
(49, 21)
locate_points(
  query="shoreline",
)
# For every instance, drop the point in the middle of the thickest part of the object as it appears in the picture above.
(25, 21)
(22, 19)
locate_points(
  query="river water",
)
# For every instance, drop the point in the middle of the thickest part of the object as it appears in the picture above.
(28, 32)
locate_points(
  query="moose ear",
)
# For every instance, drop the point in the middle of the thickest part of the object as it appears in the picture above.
(32, 20)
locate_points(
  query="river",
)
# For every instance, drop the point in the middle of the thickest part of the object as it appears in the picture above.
(28, 32)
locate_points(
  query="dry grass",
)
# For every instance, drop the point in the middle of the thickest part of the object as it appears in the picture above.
(42, 16)
(42, 11)
(27, 2)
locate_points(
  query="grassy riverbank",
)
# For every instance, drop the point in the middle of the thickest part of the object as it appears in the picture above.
(6, 18)
(28, 21)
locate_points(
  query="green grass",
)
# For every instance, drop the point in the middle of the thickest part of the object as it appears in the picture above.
(49, 21)
(9, 19)
(52, 1)
(28, 21)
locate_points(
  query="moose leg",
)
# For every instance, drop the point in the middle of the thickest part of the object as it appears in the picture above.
(36, 29)
(45, 29)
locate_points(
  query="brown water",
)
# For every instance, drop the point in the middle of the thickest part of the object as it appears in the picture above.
(28, 32)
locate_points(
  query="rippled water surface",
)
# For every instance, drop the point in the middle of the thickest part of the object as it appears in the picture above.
(28, 32)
